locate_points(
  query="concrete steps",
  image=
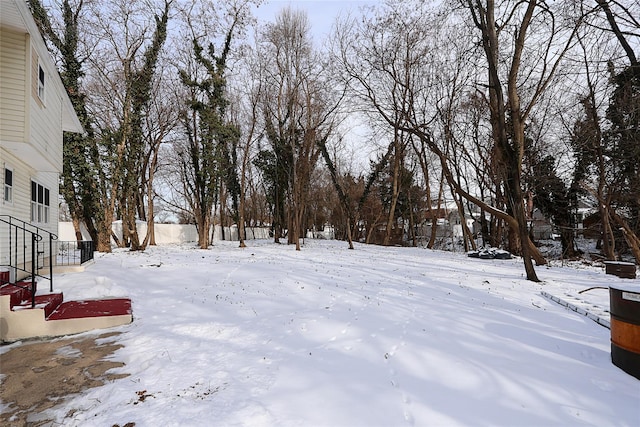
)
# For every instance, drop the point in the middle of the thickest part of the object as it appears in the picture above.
(52, 316)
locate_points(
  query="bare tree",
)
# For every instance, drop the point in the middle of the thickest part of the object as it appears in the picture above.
(518, 29)
(208, 153)
(380, 61)
(605, 137)
(122, 72)
(249, 88)
(161, 118)
(619, 14)
(297, 109)
(387, 67)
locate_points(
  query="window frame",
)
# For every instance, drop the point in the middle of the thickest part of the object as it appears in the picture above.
(42, 77)
(7, 194)
(40, 203)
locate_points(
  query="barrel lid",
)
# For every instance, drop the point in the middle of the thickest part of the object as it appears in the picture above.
(627, 287)
(619, 263)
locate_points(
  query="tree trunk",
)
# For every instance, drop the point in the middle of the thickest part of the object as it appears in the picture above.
(608, 239)
(133, 226)
(567, 239)
(523, 235)
(241, 206)
(241, 227)
(223, 216)
(632, 240)
(295, 209)
(76, 228)
(103, 243)
(150, 238)
(509, 148)
(204, 227)
(349, 236)
(395, 193)
(412, 226)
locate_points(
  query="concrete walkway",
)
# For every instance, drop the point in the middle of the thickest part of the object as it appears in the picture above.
(39, 375)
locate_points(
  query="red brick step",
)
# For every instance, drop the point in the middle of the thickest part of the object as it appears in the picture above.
(20, 292)
(48, 302)
(92, 308)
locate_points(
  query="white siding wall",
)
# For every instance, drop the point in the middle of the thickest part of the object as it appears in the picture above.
(40, 126)
(31, 138)
(20, 206)
(13, 82)
(45, 121)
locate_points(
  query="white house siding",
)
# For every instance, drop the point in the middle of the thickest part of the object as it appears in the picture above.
(34, 132)
(22, 173)
(20, 206)
(20, 209)
(45, 120)
(31, 128)
(13, 82)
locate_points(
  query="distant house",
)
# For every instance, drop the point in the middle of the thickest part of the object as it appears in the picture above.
(34, 112)
(448, 222)
(541, 227)
(439, 216)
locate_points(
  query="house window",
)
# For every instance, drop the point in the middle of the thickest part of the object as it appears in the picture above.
(40, 203)
(40, 83)
(8, 185)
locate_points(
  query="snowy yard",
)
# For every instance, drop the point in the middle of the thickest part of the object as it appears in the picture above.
(267, 336)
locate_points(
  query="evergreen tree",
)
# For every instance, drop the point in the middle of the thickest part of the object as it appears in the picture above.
(623, 143)
(210, 158)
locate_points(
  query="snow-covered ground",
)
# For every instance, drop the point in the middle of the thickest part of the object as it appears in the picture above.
(377, 336)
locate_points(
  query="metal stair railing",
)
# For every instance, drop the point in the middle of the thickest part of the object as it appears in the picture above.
(74, 252)
(21, 235)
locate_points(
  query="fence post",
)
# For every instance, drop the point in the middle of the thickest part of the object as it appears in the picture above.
(34, 261)
(51, 263)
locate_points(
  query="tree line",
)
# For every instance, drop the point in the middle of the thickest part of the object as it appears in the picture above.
(198, 112)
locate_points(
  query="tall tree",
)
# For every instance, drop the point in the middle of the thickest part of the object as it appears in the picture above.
(78, 180)
(623, 140)
(250, 87)
(387, 67)
(297, 109)
(122, 69)
(623, 114)
(160, 121)
(211, 138)
(505, 29)
(605, 138)
(140, 92)
(275, 162)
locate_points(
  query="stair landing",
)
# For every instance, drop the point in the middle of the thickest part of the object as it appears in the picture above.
(52, 316)
(91, 308)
